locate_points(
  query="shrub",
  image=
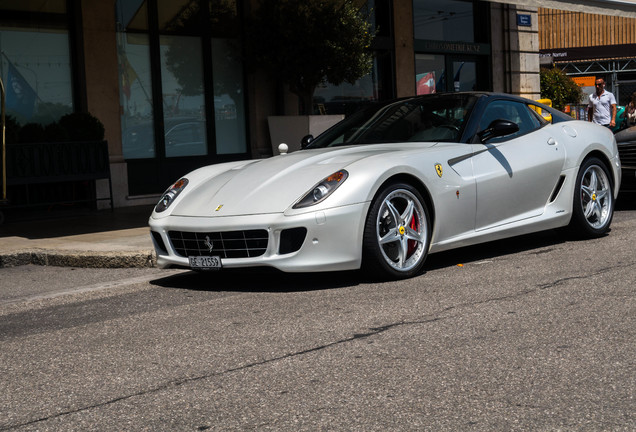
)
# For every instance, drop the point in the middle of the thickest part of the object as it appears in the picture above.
(31, 133)
(81, 126)
(12, 127)
(55, 133)
(559, 88)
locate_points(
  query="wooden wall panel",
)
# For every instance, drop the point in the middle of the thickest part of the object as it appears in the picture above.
(564, 29)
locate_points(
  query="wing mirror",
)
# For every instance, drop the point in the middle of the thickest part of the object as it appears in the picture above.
(497, 128)
(306, 140)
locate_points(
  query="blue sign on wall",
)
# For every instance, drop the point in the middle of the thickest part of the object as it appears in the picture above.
(524, 20)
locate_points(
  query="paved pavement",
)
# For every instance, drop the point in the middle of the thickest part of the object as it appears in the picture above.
(98, 239)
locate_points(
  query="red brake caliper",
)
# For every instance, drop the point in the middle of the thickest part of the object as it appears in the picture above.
(412, 243)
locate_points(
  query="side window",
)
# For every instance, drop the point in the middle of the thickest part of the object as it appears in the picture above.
(515, 112)
(544, 116)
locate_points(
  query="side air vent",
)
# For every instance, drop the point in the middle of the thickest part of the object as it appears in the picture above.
(291, 240)
(558, 188)
(159, 243)
(627, 153)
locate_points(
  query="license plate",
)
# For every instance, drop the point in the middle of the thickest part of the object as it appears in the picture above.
(205, 262)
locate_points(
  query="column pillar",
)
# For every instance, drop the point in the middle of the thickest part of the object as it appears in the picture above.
(515, 51)
(404, 48)
(102, 88)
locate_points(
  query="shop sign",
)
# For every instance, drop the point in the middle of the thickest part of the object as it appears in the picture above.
(584, 81)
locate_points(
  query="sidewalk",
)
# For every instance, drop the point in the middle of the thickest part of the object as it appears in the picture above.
(98, 239)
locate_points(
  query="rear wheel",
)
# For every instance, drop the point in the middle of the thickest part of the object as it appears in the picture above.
(593, 200)
(397, 233)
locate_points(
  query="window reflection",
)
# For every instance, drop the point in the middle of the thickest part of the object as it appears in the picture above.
(182, 93)
(135, 96)
(229, 107)
(132, 15)
(447, 20)
(347, 98)
(224, 19)
(35, 67)
(187, 79)
(465, 76)
(430, 73)
(179, 16)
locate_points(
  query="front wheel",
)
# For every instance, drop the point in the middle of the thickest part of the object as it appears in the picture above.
(397, 233)
(593, 200)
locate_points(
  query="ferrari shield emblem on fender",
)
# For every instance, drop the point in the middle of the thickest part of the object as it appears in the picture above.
(219, 207)
(439, 170)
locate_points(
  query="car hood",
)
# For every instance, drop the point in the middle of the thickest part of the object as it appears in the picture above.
(273, 185)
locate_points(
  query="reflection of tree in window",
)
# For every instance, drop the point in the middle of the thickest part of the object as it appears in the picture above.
(223, 21)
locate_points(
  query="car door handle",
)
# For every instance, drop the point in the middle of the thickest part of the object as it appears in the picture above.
(552, 141)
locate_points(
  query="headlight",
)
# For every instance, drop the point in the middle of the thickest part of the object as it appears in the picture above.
(322, 190)
(171, 194)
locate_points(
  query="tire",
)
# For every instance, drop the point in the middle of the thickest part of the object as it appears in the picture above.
(397, 233)
(593, 200)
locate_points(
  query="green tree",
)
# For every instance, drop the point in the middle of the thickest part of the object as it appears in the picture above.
(304, 43)
(559, 88)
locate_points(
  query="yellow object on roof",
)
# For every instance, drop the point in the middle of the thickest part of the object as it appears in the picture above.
(546, 115)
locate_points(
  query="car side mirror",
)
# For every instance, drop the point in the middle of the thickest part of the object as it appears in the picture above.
(306, 140)
(497, 128)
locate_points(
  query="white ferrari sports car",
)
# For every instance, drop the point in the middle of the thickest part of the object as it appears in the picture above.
(392, 183)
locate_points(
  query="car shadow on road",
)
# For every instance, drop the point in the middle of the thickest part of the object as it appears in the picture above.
(626, 201)
(260, 280)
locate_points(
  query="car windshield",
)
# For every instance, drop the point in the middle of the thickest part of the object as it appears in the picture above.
(428, 118)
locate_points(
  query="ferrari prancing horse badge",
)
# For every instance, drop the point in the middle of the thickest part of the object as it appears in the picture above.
(438, 169)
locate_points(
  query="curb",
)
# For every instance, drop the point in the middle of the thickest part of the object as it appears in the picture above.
(141, 259)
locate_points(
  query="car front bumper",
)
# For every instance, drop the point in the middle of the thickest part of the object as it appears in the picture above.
(333, 240)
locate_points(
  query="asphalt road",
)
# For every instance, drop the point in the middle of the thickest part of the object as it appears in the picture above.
(535, 333)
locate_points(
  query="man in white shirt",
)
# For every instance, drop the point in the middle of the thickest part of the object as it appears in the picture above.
(602, 106)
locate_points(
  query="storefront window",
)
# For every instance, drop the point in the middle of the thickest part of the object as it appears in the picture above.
(429, 73)
(229, 107)
(36, 69)
(202, 100)
(378, 84)
(227, 71)
(346, 98)
(135, 85)
(451, 55)
(431, 76)
(182, 94)
(135, 96)
(443, 20)
(465, 76)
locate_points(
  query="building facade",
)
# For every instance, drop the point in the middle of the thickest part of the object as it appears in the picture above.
(167, 78)
(586, 46)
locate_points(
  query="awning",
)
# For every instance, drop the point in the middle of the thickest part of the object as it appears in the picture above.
(624, 8)
(590, 53)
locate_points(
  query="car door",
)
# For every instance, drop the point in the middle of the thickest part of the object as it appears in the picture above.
(515, 175)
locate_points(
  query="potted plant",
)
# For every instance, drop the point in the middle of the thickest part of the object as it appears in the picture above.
(305, 43)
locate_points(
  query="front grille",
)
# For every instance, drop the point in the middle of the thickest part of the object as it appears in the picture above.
(627, 153)
(229, 244)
